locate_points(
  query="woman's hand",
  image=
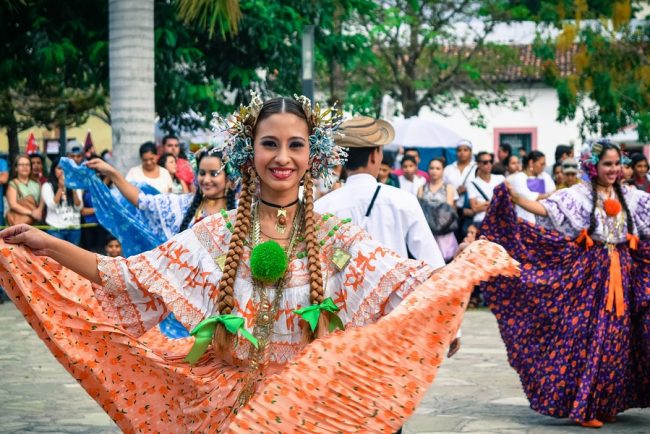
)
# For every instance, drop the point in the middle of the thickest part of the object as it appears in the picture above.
(453, 348)
(514, 196)
(29, 236)
(37, 214)
(102, 167)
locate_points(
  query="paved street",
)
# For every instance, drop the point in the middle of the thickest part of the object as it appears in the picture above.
(476, 392)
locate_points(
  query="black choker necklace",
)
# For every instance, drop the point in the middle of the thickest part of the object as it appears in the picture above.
(281, 216)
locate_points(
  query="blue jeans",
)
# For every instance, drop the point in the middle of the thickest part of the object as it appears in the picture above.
(71, 235)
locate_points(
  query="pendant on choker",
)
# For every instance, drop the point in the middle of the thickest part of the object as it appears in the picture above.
(281, 222)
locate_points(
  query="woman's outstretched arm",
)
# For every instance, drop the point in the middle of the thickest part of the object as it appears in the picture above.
(70, 256)
(529, 205)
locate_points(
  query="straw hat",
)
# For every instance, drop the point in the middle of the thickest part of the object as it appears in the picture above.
(364, 132)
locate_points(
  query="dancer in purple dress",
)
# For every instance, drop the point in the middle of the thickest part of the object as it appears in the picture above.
(577, 322)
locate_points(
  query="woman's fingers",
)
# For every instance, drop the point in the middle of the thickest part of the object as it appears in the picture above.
(12, 231)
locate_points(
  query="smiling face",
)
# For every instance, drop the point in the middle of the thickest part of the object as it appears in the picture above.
(609, 167)
(281, 155)
(212, 177)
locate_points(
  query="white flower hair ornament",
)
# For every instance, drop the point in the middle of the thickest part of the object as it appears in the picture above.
(237, 148)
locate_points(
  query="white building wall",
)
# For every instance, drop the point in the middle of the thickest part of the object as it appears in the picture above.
(539, 115)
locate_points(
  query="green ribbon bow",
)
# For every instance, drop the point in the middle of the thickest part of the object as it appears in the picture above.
(204, 331)
(313, 312)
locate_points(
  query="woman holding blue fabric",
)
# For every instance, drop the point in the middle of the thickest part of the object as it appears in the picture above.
(263, 289)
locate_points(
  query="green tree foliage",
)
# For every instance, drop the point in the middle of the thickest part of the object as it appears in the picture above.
(53, 63)
(417, 52)
(608, 83)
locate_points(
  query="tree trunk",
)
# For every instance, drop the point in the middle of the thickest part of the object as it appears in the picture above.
(63, 140)
(131, 77)
(14, 146)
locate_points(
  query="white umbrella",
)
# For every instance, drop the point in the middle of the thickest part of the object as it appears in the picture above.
(423, 133)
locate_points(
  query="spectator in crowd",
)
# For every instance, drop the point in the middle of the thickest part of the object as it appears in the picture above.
(459, 174)
(436, 192)
(569, 173)
(562, 152)
(393, 218)
(184, 171)
(504, 153)
(640, 169)
(113, 248)
(23, 194)
(627, 173)
(410, 180)
(39, 174)
(168, 161)
(63, 207)
(513, 165)
(89, 150)
(107, 156)
(532, 183)
(4, 178)
(415, 154)
(522, 153)
(558, 174)
(385, 175)
(481, 188)
(149, 172)
(75, 152)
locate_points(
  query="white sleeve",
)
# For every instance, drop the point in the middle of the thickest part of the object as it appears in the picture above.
(79, 194)
(519, 184)
(47, 195)
(472, 192)
(549, 184)
(131, 176)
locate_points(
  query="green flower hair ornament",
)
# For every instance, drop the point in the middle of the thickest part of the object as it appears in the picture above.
(237, 148)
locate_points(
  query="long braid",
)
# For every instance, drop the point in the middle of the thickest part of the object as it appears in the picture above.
(191, 211)
(226, 296)
(628, 214)
(594, 199)
(316, 291)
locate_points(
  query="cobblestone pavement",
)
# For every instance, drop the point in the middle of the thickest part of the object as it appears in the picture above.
(475, 392)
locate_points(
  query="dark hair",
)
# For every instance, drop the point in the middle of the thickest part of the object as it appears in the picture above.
(532, 156)
(40, 157)
(358, 157)
(636, 158)
(162, 160)
(198, 195)
(111, 238)
(606, 146)
(104, 152)
(147, 147)
(508, 158)
(388, 160)
(482, 153)
(561, 150)
(555, 166)
(168, 137)
(54, 182)
(412, 149)
(408, 158)
(506, 147)
(282, 105)
(438, 159)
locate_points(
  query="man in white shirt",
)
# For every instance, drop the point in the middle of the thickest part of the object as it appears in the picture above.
(149, 171)
(461, 172)
(390, 215)
(481, 188)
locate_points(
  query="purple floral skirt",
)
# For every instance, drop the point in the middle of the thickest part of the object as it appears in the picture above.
(575, 358)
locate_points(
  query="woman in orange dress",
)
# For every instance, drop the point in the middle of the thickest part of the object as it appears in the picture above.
(263, 289)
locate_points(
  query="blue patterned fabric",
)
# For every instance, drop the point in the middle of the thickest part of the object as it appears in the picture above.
(137, 230)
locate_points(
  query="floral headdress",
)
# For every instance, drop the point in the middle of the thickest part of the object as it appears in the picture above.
(237, 148)
(591, 153)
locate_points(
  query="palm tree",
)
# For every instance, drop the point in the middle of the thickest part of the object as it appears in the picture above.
(131, 65)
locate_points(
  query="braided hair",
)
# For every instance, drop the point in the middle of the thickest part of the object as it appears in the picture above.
(225, 297)
(606, 146)
(198, 196)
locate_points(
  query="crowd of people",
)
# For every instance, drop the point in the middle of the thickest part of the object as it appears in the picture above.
(300, 224)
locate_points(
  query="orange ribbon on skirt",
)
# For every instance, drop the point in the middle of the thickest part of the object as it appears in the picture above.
(584, 236)
(615, 290)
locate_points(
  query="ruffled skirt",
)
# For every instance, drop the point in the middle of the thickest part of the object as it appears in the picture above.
(366, 379)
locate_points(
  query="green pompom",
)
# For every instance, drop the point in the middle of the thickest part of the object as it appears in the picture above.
(268, 262)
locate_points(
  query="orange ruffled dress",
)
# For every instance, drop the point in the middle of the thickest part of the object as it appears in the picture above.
(400, 318)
